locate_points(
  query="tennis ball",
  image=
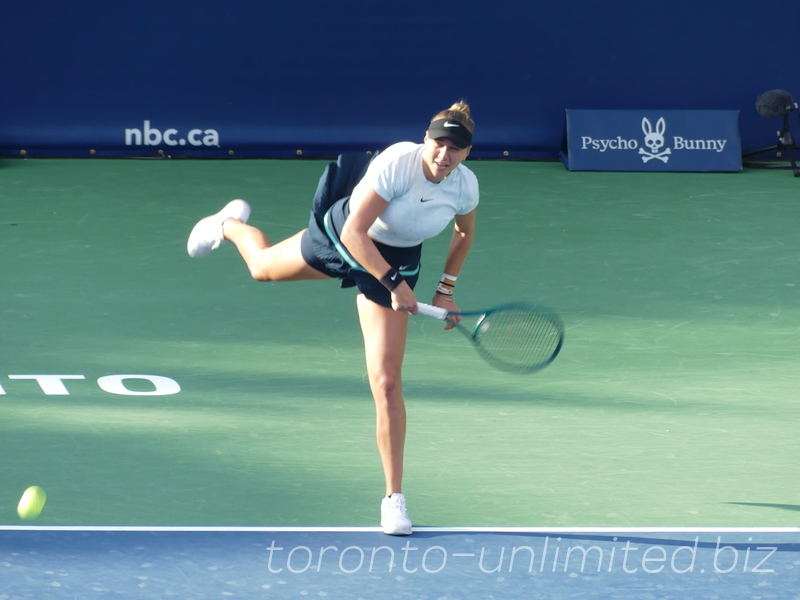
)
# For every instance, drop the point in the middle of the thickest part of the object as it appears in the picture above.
(31, 504)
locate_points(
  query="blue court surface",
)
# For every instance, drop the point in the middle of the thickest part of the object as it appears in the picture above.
(433, 564)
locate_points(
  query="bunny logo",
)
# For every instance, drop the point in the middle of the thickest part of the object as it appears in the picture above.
(654, 140)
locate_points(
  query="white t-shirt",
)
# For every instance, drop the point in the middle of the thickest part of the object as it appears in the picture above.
(418, 209)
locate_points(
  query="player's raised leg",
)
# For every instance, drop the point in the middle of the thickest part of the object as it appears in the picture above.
(282, 262)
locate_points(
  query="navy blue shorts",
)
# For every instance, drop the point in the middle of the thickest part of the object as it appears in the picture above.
(322, 249)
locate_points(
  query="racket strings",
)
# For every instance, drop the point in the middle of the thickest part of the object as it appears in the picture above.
(519, 339)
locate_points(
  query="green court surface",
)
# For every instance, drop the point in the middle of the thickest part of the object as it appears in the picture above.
(673, 403)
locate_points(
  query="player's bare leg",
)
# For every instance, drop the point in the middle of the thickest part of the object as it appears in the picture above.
(282, 262)
(385, 333)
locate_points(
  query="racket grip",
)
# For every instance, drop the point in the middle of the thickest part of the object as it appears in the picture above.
(432, 311)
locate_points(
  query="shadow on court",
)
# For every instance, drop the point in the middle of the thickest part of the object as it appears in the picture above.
(792, 507)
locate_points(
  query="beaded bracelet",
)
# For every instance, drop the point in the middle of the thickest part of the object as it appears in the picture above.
(441, 289)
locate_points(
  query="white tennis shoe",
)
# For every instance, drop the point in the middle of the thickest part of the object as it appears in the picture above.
(394, 518)
(207, 234)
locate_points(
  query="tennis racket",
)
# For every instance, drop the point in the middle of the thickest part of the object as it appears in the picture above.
(517, 338)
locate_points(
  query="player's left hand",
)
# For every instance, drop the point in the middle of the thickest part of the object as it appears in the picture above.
(450, 305)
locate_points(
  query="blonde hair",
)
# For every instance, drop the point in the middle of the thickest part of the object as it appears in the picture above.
(460, 112)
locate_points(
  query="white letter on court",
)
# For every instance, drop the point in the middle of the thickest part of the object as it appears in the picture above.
(113, 385)
(52, 385)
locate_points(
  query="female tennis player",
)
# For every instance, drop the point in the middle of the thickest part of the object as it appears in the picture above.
(372, 239)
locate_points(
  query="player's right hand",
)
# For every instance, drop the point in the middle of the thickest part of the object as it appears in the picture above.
(404, 299)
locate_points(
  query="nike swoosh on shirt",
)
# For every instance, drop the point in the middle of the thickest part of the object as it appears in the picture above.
(426, 199)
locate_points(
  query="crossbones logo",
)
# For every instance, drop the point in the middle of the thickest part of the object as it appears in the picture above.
(654, 140)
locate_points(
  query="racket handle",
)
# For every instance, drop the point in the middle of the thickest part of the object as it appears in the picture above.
(432, 311)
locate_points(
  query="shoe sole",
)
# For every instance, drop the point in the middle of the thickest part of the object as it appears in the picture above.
(397, 532)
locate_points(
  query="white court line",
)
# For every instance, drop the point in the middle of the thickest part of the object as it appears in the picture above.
(416, 529)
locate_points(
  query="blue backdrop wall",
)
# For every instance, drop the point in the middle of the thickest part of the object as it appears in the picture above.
(266, 78)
